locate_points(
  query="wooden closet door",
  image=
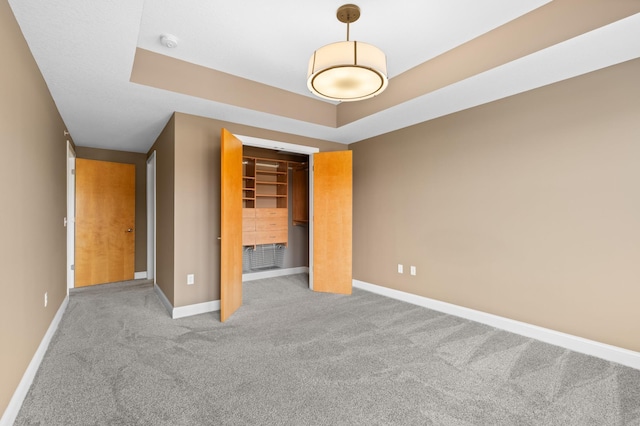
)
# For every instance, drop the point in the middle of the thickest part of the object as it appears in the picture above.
(332, 222)
(105, 218)
(230, 225)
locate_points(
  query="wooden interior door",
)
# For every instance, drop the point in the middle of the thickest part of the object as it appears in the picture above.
(105, 218)
(332, 222)
(230, 225)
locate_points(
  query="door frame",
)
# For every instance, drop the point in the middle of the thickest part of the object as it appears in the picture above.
(151, 217)
(297, 149)
(70, 219)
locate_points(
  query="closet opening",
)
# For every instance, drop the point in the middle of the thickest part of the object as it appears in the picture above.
(276, 237)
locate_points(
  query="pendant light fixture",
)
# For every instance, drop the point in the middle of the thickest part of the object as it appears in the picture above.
(347, 70)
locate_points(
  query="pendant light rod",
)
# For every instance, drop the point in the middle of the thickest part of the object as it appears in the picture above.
(347, 14)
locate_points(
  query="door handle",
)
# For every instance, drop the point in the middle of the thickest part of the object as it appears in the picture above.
(219, 238)
(129, 230)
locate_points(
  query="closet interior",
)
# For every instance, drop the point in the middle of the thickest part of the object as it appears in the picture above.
(275, 210)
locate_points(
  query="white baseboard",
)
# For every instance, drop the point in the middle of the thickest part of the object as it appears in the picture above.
(214, 305)
(198, 308)
(140, 275)
(272, 273)
(168, 306)
(12, 410)
(186, 311)
(568, 341)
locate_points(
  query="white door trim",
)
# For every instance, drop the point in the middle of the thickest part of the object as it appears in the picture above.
(311, 234)
(151, 217)
(71, 215)
(277, 146)
(297, 149)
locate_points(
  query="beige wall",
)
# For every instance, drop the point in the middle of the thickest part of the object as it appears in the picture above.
(196, 196)
(197, 207)
(527, 208)
(164, 148)
(140, 161)
(33, 192)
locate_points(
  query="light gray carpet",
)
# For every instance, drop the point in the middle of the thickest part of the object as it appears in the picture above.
(293, 357)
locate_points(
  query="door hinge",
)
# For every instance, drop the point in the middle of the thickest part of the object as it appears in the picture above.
(73, 171)
(73, 267)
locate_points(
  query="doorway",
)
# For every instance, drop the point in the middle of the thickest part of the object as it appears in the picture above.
(275, 233)
(70, 220)
(105, 222)
(293, 149)
(330, 189)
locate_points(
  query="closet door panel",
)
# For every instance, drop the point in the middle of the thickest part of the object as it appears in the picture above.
(332, 222)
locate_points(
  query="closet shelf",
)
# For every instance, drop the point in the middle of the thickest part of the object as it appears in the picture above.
(266, 182)
(265, 202)
(269, 172)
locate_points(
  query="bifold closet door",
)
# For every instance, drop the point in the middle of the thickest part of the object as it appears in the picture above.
(332, 221)
(230, 225)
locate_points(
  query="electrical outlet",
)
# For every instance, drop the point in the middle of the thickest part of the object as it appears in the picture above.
(400, 268)
(190, 279)
(413, 270)
(46, 299)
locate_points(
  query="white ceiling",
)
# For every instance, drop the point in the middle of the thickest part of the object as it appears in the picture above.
(85, 50)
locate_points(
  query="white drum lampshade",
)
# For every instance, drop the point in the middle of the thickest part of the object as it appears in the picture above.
(347, 71)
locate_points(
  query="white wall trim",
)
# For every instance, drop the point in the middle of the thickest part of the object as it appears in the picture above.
(12, 410)
(168, 306)
(277, 145)
(568, 341)
(140, 275)
(272, 273)
(196, 309)
(298, 149)
(214, 305)
(186, 311)
(71, 215)
(312, 230)
(151, 216)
